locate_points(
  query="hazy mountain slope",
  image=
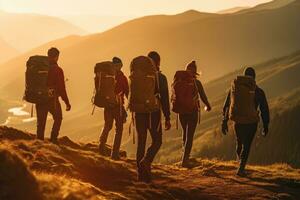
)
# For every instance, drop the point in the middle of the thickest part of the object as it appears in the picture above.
(274, 4)
(7, 52)
(79, 58)
(27, 31)
(221, 43)
(37, 170)
(232, 10)
(96, 23)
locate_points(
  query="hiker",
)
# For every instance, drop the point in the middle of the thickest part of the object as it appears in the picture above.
(115, 112)
(186, 94)
(148, 96)
(57, 88)
(241, 106)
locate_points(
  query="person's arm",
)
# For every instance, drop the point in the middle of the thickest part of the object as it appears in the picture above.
(226, 114)
(202, 94)
(62, 87)
(164, 97)
(264, 110)
(226, 108)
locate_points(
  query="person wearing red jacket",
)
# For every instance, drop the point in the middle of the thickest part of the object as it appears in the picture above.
(57, 88)
(117, 114)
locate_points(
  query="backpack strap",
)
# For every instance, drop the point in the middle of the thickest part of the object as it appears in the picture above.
(198, 101)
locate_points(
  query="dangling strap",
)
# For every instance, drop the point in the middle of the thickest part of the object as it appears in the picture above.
(93, 111)
(32, 105)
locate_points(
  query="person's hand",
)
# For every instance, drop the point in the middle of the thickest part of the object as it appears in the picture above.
(207, 108)
(266, 131)
(224, 127)
(167, 125)
(68, 108)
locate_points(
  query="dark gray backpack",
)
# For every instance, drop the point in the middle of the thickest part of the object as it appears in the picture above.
(36, 78)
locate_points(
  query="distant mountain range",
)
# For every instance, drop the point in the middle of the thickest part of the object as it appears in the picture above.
(220, 44)
(7, 51)
(96, 23)
(232, 10)
(27, 31)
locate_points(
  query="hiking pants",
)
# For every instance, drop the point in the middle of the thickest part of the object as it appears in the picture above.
(54, 107)
(188, 123)
(145, 122)
(244, 136)
(116, 114)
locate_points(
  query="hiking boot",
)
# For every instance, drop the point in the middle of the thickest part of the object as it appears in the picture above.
(144, 171)
(186, 163)
(115, 157)
(54, 141)
(241, 171)
(102, 149)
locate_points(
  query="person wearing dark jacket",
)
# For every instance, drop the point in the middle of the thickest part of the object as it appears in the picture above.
(245, 132)
(57, 88)
(144, 159)
(189, 121)
(117, 114)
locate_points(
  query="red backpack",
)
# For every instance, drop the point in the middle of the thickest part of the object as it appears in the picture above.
(185, 98)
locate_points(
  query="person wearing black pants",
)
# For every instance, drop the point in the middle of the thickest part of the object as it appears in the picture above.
(152, 122)
(245, 132)
(189, 121)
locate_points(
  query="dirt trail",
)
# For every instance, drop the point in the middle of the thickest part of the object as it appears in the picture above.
(77, 171)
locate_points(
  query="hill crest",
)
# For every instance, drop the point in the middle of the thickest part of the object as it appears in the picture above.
(76, 171)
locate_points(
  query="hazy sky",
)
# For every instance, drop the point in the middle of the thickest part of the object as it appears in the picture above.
(120, 7)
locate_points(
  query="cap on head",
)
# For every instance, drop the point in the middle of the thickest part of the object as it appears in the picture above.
(250, 71)
(118, 61)
(53, 52)
(192, 67)
(155, 57)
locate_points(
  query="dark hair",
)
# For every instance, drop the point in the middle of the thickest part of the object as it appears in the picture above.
(116, 60)
(154, 56)
(250, 71)
(53, 52)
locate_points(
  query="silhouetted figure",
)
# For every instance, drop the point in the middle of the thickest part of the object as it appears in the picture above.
(187, 92)
(148, 96)
(115, 113)
(56, 85)
(241, 106)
